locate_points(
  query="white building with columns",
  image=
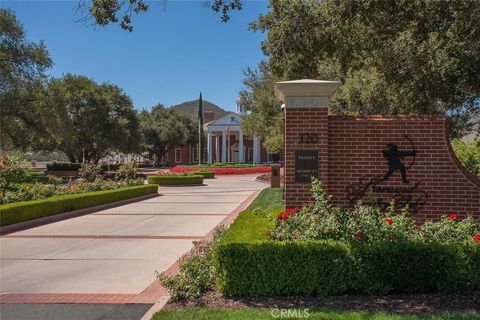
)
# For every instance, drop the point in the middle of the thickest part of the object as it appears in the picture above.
(227, 143)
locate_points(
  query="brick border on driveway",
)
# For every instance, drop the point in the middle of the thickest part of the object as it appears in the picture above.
(153, 293)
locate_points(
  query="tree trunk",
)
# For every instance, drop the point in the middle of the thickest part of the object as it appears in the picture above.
(71, 157)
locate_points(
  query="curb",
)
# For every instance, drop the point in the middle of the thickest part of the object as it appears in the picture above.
(69, 214)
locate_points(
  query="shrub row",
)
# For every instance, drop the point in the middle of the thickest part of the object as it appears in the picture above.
(223, 170)
(28, 210)
(175, 179)
(63, 166)
(270, 268)
(205, 174)
(249, 263)
(60, 166)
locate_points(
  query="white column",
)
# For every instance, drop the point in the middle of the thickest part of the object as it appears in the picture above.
(241, 156)
(255, 149)
(217, 147)
(224, 148)
(209, 147)
(254, 160)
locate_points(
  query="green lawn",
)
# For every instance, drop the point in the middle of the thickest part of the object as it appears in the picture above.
(241, 314)
(268, 199)
(257, 220)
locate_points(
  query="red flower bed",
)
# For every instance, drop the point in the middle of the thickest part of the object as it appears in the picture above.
(284, 215)
(223, 170)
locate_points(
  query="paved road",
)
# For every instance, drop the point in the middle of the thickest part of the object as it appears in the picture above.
(111, 256)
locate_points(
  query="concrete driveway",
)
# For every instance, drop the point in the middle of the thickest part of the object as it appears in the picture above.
(111, 256)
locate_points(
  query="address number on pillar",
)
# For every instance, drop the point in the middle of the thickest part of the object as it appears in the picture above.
(308, 138)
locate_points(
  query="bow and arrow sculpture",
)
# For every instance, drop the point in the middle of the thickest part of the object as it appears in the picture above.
(395, 157)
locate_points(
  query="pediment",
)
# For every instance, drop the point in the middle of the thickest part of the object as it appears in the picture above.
(231, 119)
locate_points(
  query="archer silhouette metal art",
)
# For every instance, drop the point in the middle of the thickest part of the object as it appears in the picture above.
(395, 157)
(370, 188)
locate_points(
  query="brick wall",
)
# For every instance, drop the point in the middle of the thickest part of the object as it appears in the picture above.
(351, 160)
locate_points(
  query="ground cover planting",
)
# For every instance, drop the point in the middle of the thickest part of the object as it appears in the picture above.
(27, 195)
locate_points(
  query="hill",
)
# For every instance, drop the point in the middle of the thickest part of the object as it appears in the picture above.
(191, 108)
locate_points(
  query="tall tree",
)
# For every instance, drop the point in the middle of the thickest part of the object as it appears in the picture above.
(121, 11)
(98, 118)
(200, 130)
(25, 117)
(393, 57)
(164, 128)
(265, 119)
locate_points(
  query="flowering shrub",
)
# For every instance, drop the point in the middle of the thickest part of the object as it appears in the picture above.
(220, 170)
(89, 171)
(320, 220)
(10, 171)
(127, 171)
(196, 270)
(54, 180)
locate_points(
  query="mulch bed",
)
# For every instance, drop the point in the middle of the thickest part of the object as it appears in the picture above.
(266, 177)
(401, 303)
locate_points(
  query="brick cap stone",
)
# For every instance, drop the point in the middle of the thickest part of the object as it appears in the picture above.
(305, 88)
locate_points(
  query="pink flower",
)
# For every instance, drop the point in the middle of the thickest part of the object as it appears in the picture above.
(388, 220)
(418, 228)
(358, 235)
(452, 216)
(476, 238)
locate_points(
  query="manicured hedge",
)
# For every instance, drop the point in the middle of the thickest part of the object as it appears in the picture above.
(63, 166)
(248, 263)
(205, 174)
(223, 170)
(27, 210)
(112, 167)
(175, 179)
(269, 268)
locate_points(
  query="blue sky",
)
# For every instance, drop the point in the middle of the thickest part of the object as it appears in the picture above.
(170, 57)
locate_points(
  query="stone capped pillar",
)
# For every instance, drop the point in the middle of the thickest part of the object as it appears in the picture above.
(306, 135)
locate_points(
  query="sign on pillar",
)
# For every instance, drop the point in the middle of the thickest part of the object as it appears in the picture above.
(306, 135)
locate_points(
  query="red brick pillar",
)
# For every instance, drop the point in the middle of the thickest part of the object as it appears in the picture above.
(306, 135)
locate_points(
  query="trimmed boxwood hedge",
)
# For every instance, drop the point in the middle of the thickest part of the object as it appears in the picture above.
(205, 174)
(175, 179)
(273, 268)
(248, 263)
(63, 166)
(27, 210)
